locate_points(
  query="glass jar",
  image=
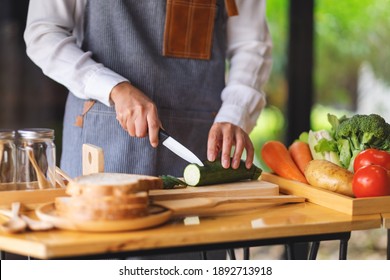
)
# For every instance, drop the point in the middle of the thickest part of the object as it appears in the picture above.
(7, 159)
(36, 158)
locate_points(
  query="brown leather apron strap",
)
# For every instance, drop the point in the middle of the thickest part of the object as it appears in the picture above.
(231, 8)
(80, 118)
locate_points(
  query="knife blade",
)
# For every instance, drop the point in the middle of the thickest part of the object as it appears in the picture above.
(178, 148)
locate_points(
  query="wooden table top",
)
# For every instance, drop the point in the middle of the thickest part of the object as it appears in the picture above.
(268, 222)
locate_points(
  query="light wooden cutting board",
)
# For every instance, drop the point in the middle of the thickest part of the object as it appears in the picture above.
(245, 188)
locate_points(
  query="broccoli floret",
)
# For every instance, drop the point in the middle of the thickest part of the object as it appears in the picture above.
(358, 133)
(349, 129)
(365, 131)
(375, 131)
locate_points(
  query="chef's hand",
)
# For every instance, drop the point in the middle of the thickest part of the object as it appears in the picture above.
(136, 113)
(222, 137)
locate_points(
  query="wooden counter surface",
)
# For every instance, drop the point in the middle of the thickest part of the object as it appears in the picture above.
(268, 222)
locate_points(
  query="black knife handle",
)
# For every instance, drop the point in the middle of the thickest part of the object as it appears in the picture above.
(163, 135)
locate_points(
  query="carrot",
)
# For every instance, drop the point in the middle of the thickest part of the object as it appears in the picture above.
(301, 154)
(277, 157)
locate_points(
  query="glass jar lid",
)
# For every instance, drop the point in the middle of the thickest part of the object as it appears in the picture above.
(36, 133)
(7, 134)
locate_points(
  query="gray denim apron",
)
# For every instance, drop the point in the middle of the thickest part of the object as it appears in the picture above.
(127, 36)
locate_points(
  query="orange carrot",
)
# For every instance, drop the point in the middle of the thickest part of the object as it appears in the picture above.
(277, 157)
(300, 153)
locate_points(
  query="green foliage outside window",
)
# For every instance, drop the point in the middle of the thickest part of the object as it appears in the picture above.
(347, 34)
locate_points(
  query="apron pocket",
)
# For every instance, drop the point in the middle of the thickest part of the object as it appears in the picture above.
(189, 28)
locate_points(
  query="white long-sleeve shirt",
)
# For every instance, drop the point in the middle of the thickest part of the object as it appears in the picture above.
(54, 34)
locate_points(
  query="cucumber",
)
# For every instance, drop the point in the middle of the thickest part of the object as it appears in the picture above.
(214, 173)
(169, 181)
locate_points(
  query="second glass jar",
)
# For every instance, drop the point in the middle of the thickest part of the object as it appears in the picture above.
(7, 159)
(36, 158)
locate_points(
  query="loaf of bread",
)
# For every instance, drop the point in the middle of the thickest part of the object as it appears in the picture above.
(112, 184)
(107, 197)
(100, 209)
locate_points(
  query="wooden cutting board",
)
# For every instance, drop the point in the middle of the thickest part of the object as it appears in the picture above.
(245, 188)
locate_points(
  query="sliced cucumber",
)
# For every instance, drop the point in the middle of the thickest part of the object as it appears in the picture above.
(214, 173)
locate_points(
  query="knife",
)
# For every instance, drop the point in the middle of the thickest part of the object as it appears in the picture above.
(178, 148)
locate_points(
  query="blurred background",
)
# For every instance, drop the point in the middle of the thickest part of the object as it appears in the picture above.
(329, 56)
(27, 97)
(350, 69)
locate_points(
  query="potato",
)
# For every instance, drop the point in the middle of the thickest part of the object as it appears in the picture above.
(327, 175)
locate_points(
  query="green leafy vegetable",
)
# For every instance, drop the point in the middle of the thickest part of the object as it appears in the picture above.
(323, 146)
(169, 181)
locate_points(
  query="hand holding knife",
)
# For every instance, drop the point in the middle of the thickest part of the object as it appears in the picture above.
(127, 107)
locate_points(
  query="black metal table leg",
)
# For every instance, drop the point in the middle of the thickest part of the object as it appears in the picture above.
(343, 249)
(246, 253)
(290, 251)
(232, 254)
(315, 245)
(388, 244)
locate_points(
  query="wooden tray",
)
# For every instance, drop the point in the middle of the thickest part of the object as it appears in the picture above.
(30, 199)
(335, 201)
(158, 215)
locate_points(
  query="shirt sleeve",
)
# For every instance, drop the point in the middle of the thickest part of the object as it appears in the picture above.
(249, 54)
(53, 36)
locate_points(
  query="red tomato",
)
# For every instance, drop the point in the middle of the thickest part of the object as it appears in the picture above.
(372, 156)
(371, 180)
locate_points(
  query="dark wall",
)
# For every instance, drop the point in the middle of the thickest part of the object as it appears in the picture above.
(27, 97)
